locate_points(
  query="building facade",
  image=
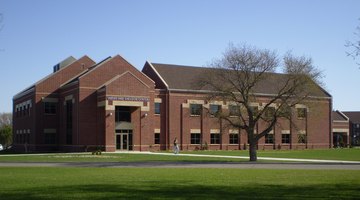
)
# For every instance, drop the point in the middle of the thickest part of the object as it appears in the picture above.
(112, 106)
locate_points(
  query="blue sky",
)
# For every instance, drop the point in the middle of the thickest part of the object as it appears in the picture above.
(37, 34)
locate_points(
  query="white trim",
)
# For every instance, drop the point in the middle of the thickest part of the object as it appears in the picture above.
(195, 131)
(157, 73)
(215, 131)
(285, 132)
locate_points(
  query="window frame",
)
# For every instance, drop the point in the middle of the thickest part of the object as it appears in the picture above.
(285, 140)
(301, 113)
(157, 108)
(215, 138)
(195, 138)
(195, 109)
(214, 112)
(50, 108)
(232, 138)
(156, 138)
(269, 138)
(234, 110)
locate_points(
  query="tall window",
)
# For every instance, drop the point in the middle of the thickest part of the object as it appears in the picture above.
(285, 138)
(50, 138)
(301, 138)
(215, 109)
(195, 109)
(269, 139)
(234, 138)
(157, 108)
(234, 110)
(255, 110)
(301, 113)
(122, 114)
(69, 121)
(157, 138)
(49, 108)
(214, 138)
(195, 138)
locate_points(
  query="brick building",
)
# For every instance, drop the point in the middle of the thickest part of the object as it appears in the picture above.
(354, 127)
(340, 129)
(111, 105)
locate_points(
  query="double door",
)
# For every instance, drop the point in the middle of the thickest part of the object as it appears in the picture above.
(124, 140)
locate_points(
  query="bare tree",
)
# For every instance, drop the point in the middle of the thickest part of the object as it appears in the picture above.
(243, 72)
(354, 46)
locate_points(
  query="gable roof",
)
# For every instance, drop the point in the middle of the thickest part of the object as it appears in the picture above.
(180, 77)
(339, 116)
(354, 116)
(62, 65)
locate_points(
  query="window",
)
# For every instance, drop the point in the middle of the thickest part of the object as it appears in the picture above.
(215, 109)
(255, 110)
(214, 138)
(285, 138)
(157, 138)
(69, 122)
(195, 109)
(234, 138)
(49, 107)
(195, 138)
(157, 108)
(301, 138)
(270, 112)
(50, 138)
(234, 110)
(269, 138)
(122, 114)
(301, 113)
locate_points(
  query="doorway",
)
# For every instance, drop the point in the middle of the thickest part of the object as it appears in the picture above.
(124, 140)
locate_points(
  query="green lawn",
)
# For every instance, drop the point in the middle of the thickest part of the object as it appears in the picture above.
(326, 154)
(347, 154)
(171, 183)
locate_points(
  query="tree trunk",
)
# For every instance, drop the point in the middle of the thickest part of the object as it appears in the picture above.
(252, 151)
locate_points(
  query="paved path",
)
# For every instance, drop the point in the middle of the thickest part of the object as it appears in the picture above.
(289, 164)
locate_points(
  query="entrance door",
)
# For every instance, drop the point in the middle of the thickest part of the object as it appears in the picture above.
(124, 140)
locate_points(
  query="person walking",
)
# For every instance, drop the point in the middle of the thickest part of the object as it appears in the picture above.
(176, 146)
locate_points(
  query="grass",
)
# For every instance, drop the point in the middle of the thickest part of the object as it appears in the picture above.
(347, 154)
(324, 154)
(111, 157)
(150, 183)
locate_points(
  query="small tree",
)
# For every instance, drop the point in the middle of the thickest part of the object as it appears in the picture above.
(243, 72)
(5, 129)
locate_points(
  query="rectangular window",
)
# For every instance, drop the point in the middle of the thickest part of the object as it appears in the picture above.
(301, 138)
(301, 113)
(269, 139)
(234, 110)
(214, 138)
(195, 109)
(195, 138)
(255, 110)
(157, 138)
(285, 138)
(69, 121)
(270, 112)
(234, 138)
(215, 109)
(50, 138)
(49, 107)
(157, 108)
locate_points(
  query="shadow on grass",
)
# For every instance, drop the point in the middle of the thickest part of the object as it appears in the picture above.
(177, 190)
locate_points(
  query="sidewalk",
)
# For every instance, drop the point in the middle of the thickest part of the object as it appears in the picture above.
(246, 157)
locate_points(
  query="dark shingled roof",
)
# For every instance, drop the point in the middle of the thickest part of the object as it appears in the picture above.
(184, 78)
(337, 116)
(354, 116)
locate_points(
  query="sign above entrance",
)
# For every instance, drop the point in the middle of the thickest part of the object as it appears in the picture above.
(114, 98)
